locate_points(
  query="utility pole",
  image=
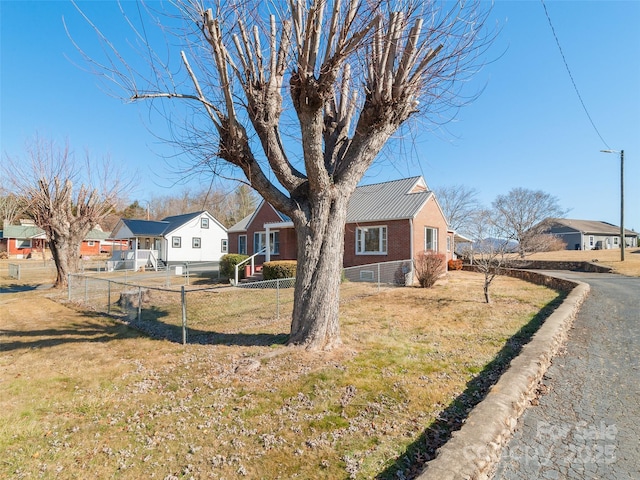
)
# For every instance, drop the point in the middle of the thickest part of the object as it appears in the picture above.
(622, 238)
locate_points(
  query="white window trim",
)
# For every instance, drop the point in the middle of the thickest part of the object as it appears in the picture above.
(383, 243)
(224, 246)
(173, 242)
(203, 221)
(435, 241)
(195, 240)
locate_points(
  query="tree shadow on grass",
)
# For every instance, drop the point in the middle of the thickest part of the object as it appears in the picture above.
(410, 464)
(72, 333)
(19, 288)
(151, 325)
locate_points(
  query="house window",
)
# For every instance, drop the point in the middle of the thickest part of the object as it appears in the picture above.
(195, 242)
(204, 222)
(259, 242)
(591, 241)
(176, 242)
(371, 240)
(430, 239)
(616, 241)
(90, 243)
(242, 244)
(23, 243)
(224, 247)
(448, 243)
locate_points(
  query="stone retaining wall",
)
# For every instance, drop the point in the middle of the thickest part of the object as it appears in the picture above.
(474, 450)
(559, 265)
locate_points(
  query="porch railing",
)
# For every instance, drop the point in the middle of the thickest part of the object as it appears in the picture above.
(253, 265)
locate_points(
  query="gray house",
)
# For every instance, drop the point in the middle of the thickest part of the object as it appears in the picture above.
(589, 234)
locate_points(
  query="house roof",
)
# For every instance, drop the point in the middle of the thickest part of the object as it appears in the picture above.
(158, 228)
(21, 231)
(151, 228)
(243, 224)
(177, 221)
(31, 231)
(590, 226)
(393, 200)
(96, 234)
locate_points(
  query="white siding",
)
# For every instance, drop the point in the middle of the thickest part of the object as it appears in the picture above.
(210, 241)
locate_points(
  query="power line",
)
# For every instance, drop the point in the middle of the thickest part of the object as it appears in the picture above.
(575, 87)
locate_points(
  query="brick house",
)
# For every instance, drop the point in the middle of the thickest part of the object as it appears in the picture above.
(25, 240)
(386, 222)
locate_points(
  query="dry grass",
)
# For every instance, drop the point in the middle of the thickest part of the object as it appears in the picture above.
(630, 266)
(84, 396)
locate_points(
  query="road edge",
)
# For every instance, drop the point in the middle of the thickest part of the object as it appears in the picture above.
(473, 451)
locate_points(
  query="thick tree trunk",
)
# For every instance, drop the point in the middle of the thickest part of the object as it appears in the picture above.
(315, 322)
(65, 251)
(60, 252)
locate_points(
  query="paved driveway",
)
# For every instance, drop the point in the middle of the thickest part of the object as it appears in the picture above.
(587, 424)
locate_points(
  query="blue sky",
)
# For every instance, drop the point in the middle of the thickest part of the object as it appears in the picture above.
(527, 129)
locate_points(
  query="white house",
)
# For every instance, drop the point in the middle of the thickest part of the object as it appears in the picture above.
(192, 237)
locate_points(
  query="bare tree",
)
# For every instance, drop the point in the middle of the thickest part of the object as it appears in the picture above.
(487, 251)
(65, 197)
(523, 214)
(346, 73)
(458, 203)
(11, 206)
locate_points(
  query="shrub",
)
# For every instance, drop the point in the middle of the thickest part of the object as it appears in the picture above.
(279, 269)
(228, 264)
(429, 267)
(455, 264)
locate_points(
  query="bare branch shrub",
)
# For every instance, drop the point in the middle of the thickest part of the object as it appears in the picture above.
(429, 266)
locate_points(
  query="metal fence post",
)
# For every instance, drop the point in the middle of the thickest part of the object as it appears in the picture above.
(378, 278)
(184, 316)
(278, 299)
(139, 302)
(186, 266)
(108, 297)
(86, 290)
(69, 286)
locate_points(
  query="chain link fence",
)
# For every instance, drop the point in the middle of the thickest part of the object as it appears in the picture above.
(217, 314)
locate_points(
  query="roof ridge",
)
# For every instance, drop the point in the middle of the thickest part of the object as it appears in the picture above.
(389, 181)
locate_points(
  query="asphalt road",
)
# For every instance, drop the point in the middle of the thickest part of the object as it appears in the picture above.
(587, 422)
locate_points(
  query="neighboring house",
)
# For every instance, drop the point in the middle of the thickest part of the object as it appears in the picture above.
(25, 240)
(22, 241)
(385, 222)
(192, 237)
(589, 234)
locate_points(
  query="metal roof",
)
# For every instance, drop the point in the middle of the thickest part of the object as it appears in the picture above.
(393, 200)
(177, 221)
(590, 226)
(150, 228)
(22, 231)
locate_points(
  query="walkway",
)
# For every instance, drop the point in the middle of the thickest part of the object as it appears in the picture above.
(587, 422)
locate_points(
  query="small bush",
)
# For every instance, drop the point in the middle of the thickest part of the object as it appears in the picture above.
(429, 267)
(279, 269)
(455, 264)
(228, 264)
